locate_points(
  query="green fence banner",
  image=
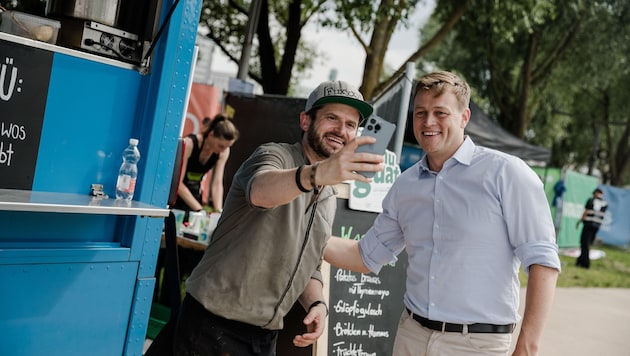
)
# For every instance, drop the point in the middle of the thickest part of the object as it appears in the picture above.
(549, 177)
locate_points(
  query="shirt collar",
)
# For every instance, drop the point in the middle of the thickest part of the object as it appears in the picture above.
(463, 155)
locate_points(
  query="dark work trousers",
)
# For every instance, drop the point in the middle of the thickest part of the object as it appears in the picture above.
(586, 240)
(199, 332)
(188, 259)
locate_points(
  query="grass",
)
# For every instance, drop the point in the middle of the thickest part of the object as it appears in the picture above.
(611, 271)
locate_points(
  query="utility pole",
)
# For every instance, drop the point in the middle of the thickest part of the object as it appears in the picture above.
(243, 64)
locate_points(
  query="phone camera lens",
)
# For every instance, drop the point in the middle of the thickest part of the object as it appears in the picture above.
(370, 127)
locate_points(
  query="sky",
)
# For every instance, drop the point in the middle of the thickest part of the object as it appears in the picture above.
(344, 53)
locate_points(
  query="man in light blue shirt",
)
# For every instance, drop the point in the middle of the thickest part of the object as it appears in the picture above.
(468, 217)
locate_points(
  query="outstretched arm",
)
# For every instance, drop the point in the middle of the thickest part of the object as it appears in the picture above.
(344, 253)
(277, 187)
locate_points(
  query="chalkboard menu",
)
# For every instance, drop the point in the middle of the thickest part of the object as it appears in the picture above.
(24, 77)
(364, 308)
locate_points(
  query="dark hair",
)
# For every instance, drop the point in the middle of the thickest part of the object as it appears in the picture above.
(597, 190)
(313, 113)
(221, 127)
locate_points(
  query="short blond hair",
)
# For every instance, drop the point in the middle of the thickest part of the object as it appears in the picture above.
(439, 82)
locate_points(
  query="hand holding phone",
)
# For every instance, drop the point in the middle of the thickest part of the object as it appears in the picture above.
(382, 130)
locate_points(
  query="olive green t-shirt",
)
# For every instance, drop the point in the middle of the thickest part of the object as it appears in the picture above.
(260, 260)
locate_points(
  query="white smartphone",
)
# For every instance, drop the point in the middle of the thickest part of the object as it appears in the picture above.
(383, 131)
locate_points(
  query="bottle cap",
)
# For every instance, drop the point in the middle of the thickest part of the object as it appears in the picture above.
(133, 141)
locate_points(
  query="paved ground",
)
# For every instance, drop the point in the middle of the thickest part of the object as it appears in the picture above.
(587, 322)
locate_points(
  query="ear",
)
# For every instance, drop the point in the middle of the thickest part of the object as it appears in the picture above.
(305, 121)
(465, 118)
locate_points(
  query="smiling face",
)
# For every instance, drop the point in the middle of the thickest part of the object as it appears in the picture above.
(438, 125)
(334, 125)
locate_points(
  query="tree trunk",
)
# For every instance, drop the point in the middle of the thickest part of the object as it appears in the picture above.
(420, 52)
(277, 80)
(375, 53)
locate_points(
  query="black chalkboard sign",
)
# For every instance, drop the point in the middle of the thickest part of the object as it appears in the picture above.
(364, 308)
(24, 77)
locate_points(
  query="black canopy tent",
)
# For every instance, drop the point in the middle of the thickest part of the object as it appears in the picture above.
(485, 132)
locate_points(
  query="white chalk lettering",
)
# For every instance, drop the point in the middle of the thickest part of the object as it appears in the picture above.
(374, 333)
(345, 276)
(355, 310)
(13, 131)
(370, 279)
(6, 154)
(340, 349)
(8, 80)
(346, 329)
(359, 289)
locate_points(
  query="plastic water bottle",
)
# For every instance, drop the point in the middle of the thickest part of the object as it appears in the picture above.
(126, 183)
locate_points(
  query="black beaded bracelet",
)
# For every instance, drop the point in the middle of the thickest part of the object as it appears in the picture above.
(316, 303)
(298, 180)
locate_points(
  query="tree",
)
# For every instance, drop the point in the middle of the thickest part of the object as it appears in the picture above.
(537, 66)
(502, 51)
(443, 29)
(376, 20)
(276, 61)
(597, 77)
(278, 50)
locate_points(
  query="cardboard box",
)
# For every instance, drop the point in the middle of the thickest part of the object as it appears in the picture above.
(30, 26)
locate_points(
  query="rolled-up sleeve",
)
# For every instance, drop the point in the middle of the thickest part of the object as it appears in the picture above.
(384, 240)
(538, 253)
(375, 254)
(528, 217)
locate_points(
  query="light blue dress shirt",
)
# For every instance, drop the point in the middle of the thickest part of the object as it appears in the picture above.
(466, 231)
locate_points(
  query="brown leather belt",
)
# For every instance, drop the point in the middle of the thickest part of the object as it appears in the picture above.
(458, 328)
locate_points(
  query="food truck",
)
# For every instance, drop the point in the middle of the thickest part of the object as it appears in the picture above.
(76, 83)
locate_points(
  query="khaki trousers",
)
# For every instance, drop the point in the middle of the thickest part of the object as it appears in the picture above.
(413, 339)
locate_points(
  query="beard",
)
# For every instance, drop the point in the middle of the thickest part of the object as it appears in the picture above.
(317, 143)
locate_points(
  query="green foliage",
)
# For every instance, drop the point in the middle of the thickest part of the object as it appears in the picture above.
(277, 48)
(372, 24)
(553, 72)
(362, 14)
(227, 23)
(279, 53)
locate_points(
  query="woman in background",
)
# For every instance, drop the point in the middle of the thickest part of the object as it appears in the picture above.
(205, 151)
(202, 152)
